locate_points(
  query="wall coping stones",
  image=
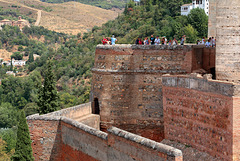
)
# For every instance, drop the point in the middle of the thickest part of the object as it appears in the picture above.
(146, 142)
(145, 47)
(85, 128)
(203, 84)
(44, 117)
(68, 110)
(69, 121)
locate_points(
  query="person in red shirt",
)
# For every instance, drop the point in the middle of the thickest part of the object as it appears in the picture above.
(104, 41)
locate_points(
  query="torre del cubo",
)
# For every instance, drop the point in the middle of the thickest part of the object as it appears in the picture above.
(154, 103)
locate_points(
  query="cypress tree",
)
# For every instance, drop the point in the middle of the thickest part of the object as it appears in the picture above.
(48, 100)
(23, 150)
(30, 58)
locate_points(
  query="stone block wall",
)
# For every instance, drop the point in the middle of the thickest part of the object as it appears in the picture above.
(202, 113)
(75, 112)
(212, 18)
(228, 40)
(127, 80)
(63, 139)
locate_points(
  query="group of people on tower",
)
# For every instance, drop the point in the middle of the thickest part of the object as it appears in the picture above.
(109, 41)
(159, 41)
(211, 42)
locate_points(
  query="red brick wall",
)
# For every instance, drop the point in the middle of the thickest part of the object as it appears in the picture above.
(203, 114)
(127, 82)
(69, 140)
(236, 128)
(46, 139)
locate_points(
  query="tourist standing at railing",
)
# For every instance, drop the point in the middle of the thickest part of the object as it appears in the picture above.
(152, 39)
(183, 39)
(170, 42)
(113, 40)
(203, 41)
(213, 42)
(165, 40)
(174, 42)
(104, 41)
(157, 41)
(146, 41)
(208, 44)
(162, 40)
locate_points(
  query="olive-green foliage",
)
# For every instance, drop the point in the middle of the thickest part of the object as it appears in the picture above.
(199, 20)
(8, 115)
(13, 14)
(23, 149)
(9, 135)
(155, 17)
(17, 56)
(19, 91)
(48, 99)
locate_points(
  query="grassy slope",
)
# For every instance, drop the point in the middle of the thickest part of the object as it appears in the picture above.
(70, 17)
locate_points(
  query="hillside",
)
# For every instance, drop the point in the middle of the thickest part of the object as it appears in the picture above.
(106, 4)
(69, 17)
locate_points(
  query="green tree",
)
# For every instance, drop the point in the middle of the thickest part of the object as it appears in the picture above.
(8, 115)
(190, 33)
(48, 100)
(30, 58)
(199, 20)
(3, 153)
(17, 56)
(23, 150)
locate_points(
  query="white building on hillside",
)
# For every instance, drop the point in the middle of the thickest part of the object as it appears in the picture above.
(186, 8)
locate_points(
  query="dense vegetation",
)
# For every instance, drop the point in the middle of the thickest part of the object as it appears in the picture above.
(72, 57)
(106, 4)
(13, 14)
(160, 18)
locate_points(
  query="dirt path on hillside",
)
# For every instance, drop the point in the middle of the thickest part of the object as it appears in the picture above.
(38, 18)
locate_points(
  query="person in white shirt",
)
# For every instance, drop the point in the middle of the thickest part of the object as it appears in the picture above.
(203, 41)
(157, 41)
(208, 44)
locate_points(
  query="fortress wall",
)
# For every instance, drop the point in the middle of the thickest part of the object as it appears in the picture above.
(129, 147)
(74, 112)
(63, 139)
(45, 133)
(212, 18)
(127, 80)
(202, 113)
(228, 40)
(81, 141)
(236, 127)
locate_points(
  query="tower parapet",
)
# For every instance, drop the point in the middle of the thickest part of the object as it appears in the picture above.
(127, 83)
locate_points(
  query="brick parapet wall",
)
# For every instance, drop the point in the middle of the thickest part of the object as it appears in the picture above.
(197, 82)
(127, 80)
(60, 138)
(202, 113)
